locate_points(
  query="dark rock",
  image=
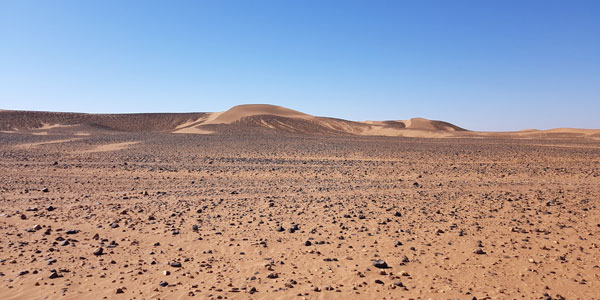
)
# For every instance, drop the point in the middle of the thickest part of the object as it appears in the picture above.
(99, 251)
(54, 274)
(399, 283)
(380, 264)
(479, 251)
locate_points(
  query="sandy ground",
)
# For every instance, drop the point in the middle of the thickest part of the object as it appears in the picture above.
(254, 215)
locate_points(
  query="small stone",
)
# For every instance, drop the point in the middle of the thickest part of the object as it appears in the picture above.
(479, 251)
(99, 251)
(175, 264)
(163, 283)
(399, 283)
(380, 264)
(54, 274)
(120, 291)
(307, 243)
(45, 190)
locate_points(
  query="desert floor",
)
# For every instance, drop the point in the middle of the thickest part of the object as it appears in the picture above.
(259, 216)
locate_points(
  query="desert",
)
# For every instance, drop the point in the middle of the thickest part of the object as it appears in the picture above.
(265, 202)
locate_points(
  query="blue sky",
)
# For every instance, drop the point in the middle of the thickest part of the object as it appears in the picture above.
(483, 65)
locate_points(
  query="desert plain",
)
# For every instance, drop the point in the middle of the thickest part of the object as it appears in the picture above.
(267, 203)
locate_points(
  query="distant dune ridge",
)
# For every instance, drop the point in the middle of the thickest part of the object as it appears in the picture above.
(247, 117)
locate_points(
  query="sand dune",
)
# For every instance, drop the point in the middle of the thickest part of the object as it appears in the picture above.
(254, 117)
(239, 112)
(425, 124)
(64, 121)
(575, 130)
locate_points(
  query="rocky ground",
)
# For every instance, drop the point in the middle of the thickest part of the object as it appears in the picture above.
(259, 216)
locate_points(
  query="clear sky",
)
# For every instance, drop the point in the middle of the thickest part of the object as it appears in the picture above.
(483, 65)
